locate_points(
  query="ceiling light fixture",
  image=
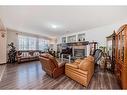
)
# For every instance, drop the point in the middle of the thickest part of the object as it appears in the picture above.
(54, 26)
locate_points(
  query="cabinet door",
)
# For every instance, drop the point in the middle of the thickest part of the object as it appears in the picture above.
(125, 48)
(124, 78)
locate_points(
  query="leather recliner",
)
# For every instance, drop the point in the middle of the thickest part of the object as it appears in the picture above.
(51, 66)
(81, 70)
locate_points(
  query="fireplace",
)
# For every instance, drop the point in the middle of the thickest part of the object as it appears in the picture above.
(79, 51)
(76, 49)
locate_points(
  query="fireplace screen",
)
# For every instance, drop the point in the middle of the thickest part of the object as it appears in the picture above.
(79, 52)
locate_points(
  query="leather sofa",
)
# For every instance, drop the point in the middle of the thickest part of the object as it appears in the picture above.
(51, 65)
(81, 70)
(26, 56)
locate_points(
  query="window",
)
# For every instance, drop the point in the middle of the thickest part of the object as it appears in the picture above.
(32, 43)
(43, 44)
(23, 42)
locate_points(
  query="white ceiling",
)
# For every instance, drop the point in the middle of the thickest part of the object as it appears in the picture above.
(42, 19)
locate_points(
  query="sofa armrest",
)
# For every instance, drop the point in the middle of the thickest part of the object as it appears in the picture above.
(58, 71)
(61, 64)
(85, 65)
(88, 66)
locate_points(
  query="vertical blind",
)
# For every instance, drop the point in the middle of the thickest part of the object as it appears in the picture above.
(32, 43)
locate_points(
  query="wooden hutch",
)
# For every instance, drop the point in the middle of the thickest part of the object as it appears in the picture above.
(121, 56)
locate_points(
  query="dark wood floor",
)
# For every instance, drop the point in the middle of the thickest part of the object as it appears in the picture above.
(2, 69)
(30, 76)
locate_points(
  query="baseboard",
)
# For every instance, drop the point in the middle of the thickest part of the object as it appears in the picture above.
(3, 63)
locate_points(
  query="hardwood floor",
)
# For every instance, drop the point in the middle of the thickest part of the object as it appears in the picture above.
(30, 76)
(2, 69)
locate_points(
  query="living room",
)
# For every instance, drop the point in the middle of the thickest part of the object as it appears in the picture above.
(63, 47)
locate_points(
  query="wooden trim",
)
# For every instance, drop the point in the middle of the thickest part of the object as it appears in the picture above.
(3, 63)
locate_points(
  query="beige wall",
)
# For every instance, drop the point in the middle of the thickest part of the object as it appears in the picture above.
(3, 54)
(12, 37)
(53, 42)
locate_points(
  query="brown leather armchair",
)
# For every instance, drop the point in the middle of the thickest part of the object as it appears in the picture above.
(81, 70)
(51, 65)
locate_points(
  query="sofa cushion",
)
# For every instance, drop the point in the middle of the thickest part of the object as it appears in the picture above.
(84, 64)
(49, 56)
(90, 58)
(77, 61)
(31, 53)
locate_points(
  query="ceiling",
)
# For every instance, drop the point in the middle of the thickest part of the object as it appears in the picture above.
(58, 20)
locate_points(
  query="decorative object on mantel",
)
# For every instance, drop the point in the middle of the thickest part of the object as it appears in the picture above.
(12, 53)
(63, 39)
(83, 39)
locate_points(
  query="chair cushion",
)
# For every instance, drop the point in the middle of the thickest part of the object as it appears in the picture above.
(52, 58)
(84, 64)
(77, 61)
(90, 58)
(46, 55)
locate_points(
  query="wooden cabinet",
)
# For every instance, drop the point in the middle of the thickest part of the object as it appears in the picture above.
(121, 56)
